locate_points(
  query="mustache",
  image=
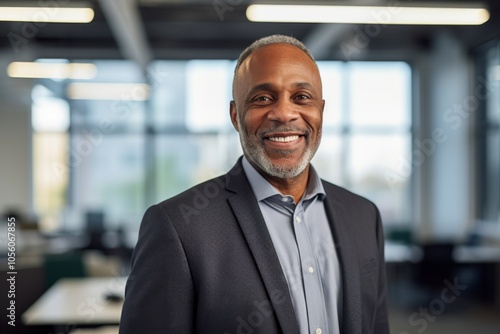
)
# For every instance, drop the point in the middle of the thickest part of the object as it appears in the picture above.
(282, 128)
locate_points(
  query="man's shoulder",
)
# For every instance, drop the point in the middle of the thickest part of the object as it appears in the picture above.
(201, 192)
(208, 199)
(342, 195)
(198, 203)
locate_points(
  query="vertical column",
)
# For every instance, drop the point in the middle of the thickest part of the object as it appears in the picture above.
(442, 153)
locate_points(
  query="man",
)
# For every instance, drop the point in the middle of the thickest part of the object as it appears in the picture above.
(269, 247)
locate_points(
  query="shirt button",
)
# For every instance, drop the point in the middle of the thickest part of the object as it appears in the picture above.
(311, 270)
(318, 331)
(284, 199)
(298, 219)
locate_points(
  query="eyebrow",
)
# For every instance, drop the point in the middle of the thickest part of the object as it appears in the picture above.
(305, 85)
(270, 87)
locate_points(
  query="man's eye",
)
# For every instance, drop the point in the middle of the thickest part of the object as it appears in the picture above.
(302, 97)
(262, 98)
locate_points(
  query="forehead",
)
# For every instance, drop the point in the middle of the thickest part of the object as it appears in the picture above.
(274, 59)
(277, 53)
(280, 51)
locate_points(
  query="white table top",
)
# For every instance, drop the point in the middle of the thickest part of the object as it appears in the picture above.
(78, 301)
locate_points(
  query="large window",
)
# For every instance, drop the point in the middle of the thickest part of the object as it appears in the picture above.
(50, 121)
(127, 155)
(367, 132)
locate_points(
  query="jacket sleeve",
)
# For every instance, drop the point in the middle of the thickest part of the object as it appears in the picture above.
(159, 295)
(381, 316)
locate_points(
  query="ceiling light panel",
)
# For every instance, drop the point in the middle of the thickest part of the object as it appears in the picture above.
(368, 14)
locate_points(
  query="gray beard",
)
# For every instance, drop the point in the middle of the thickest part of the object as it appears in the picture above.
(257, 155)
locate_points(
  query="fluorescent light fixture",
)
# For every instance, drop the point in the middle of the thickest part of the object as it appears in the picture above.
(37, 70)
(368, 14)
(108, 91)
(47, 14)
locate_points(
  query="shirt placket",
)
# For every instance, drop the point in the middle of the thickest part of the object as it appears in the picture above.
(310, 274)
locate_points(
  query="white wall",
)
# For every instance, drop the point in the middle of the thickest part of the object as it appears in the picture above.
(15, 141)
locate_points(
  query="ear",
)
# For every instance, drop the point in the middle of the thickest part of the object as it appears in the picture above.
(234, 115)
(322, 106)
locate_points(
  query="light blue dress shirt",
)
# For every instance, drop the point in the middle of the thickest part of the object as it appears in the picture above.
(304, 243)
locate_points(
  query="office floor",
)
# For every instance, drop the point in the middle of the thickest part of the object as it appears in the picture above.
(480, 320)
(425, 300)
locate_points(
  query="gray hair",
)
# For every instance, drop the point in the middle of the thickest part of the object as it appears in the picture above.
(273, 39)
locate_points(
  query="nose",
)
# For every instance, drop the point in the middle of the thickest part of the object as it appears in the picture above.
(283, 111)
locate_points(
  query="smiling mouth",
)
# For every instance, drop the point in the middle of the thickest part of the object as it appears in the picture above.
(286, 139)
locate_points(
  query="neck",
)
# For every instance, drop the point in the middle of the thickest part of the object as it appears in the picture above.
(295, 186)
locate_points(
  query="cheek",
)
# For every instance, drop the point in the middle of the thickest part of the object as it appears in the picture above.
(315, 120)
(251, 122)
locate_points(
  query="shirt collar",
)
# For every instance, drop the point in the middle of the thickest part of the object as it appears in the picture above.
(263, 189)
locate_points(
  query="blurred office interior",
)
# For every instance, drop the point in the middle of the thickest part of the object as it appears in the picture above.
(100, 120)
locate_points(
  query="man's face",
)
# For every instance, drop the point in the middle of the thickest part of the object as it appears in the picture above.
(278, 109)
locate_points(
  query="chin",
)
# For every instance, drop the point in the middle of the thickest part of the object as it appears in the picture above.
(282, 170)
(290, 167)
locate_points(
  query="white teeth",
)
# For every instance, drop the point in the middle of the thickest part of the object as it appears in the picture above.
(284, 139)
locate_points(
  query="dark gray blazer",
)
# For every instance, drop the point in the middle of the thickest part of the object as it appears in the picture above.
(205, 263)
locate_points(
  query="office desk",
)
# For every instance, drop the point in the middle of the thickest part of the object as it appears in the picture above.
(477, 254)
(78, 301)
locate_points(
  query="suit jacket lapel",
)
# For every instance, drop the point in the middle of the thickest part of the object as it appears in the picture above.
(247, 211)
(340, 225)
